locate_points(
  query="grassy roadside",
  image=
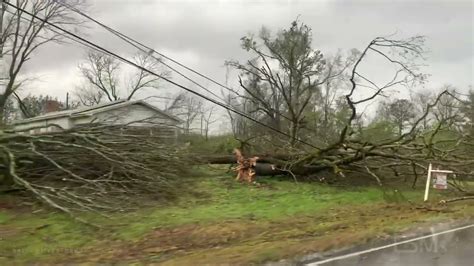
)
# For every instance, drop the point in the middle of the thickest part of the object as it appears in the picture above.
(222, 222)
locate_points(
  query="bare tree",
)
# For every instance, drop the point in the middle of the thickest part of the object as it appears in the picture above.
(142, 79)
(187, 107)
(23, 35)
(420, 100)
(403, 54)
(447, 110)
(207, 119)
(88, 95)
(102, 75)
(468, 112)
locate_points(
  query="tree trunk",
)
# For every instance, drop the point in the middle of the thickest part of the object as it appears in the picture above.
(266, 164)
(3, 101)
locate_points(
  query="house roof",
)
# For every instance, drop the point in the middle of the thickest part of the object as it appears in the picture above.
(88, 111)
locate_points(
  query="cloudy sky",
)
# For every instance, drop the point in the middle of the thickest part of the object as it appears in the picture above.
(203, 34)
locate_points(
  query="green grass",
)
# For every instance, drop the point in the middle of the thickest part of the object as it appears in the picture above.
(218, 199)
(229, 200)
(4, 217)
(30, 237)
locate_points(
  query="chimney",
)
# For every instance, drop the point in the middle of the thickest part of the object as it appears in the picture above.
(51, 106)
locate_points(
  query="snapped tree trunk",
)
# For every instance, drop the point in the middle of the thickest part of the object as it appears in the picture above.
(267, 165)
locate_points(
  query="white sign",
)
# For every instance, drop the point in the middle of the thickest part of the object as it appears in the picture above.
(440, 180)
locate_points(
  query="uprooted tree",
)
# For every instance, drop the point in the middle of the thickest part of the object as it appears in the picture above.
(283, 85)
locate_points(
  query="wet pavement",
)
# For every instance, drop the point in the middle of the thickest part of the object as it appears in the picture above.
(443, 248)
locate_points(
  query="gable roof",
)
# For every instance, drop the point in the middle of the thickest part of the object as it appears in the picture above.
(92, 110)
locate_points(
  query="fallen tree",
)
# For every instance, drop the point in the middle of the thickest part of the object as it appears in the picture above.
(95, 168)
(274, 77)
(265, 165)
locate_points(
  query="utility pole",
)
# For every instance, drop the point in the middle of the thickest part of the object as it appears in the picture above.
(3, 72)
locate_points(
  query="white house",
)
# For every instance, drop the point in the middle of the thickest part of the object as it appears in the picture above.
(138, 114)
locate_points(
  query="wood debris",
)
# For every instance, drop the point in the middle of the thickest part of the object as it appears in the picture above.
(245, 168)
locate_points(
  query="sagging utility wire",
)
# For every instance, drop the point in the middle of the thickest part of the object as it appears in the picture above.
(82, 40)
(150, 51)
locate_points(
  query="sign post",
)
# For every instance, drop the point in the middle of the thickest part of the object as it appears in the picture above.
(428, 179)
(441, 180)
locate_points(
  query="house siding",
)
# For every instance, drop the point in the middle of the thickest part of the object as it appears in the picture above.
(135, 115)
(44, 126)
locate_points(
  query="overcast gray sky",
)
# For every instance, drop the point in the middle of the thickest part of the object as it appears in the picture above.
(203, 34)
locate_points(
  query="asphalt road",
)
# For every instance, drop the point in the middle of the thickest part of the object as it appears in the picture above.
(445, 248)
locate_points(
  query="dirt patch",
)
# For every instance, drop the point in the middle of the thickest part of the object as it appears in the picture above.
(6, 206)
(7, 232)
(250, 241)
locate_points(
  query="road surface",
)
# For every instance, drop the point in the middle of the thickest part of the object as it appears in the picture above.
(444, 248)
